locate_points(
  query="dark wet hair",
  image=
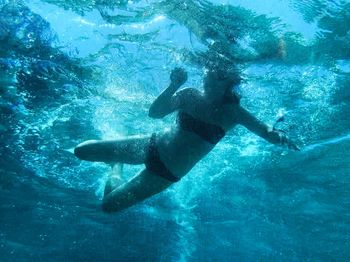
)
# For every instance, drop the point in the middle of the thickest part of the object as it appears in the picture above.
(222, 71)
(231, 97)
(223, 67)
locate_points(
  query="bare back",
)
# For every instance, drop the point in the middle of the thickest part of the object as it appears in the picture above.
(181, 150)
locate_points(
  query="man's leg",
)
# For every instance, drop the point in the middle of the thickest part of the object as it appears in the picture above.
(129, 150)
(115, 178)
(140, 187)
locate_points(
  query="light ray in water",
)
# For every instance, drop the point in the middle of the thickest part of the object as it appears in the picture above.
(330, 141)
(72, 71)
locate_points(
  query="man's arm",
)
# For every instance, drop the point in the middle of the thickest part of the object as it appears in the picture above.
(258, 127)
(166, 102)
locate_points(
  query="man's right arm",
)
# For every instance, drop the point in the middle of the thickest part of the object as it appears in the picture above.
(167, 102)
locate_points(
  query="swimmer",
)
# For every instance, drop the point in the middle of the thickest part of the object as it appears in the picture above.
(203, 119)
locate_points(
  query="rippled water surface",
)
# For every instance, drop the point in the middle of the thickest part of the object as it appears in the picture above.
(77, 70)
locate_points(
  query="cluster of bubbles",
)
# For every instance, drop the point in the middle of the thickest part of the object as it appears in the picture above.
(37, 82)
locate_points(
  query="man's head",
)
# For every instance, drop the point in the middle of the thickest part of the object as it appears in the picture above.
(218, 79)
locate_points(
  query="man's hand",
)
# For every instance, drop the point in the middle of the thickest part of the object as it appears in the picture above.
(280, 137)
(178, 76)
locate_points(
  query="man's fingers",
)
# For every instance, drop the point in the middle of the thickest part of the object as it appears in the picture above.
(286, 141)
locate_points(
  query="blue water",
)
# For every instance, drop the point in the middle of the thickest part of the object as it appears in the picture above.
(77, 70)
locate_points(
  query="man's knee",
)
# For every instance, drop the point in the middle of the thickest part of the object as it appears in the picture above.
(84, 150)
(79, 152)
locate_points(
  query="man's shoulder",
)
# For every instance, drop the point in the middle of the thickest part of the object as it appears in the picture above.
(189, 92)
(186, 97)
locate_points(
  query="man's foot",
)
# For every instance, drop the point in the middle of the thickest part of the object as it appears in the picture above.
(114, 179)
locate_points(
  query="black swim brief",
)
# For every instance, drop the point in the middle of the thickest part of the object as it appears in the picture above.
(154, 163)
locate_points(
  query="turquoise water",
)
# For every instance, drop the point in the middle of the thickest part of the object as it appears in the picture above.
(77, 70)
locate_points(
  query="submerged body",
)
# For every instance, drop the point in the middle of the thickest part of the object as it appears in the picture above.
(203, 119)
(180, 148)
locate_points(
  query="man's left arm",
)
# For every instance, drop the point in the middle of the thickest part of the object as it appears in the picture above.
(263, 130)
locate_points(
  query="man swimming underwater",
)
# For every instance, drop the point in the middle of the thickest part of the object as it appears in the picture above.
(203, 118)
